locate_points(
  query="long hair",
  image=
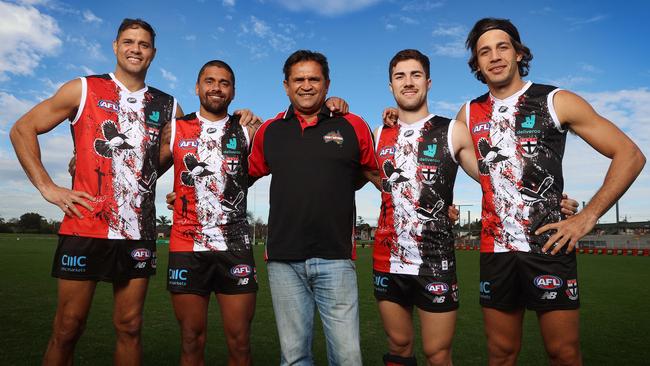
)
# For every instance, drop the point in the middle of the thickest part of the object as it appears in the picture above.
(487, 24)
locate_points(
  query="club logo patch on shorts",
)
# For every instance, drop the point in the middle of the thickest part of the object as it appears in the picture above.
(547, 282)
(141, 254)
(437, 288)
(241, 270)
(572, 289)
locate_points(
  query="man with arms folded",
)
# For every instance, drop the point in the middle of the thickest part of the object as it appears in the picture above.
(519, 132)
(108, 232)
(316, 160)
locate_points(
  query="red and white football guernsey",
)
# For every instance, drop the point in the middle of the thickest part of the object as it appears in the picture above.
(418, 172)
(211, 184)
(116, 135)
(519, 144)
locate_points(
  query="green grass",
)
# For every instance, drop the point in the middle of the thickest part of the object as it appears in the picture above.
(614, 290)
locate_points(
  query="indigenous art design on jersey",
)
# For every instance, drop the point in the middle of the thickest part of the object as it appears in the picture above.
(519, 144)
(418, 172)
(117, 139)
(211, 183)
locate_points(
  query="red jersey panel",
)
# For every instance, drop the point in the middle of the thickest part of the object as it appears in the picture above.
(211, 184)
(117, 140)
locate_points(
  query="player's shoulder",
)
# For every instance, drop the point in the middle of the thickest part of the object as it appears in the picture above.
(157, 93)
(536, 88)
(481, 99)
(355, 119)
(187, 117)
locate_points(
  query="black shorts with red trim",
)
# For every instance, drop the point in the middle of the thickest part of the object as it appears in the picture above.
(111, 260)
(434, 294)
(542, 282)
(227, 272)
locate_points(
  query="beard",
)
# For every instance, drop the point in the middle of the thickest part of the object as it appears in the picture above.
(215, 107)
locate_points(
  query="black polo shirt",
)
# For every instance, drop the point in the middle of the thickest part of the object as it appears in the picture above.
(314, 169)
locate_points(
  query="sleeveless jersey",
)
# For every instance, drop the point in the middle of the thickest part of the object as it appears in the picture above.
(519, 144)
(117, 140)
(418, 170)
(211, 184)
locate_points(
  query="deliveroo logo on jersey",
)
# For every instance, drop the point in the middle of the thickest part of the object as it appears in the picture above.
(431, 150)
(232, 143)
(529, 122)
(154, 116)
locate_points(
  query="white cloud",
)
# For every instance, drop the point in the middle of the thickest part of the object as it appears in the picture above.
(258, 30)
(11, 108)
(27, 36)
(327, 7)
(167, 75)
(390, 26)
(418, 6)
(450, 31)
(93, 48)
(190, 37)
(85, 70)
(454, 45)
(590, 68)
(455, 48)
(570, 81)
(90, 17)
(582, 21)
(229, 3)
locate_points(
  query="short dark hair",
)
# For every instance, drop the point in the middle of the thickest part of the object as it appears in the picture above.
(306, 55)
(217, 63)
(487, 24)
(409, 54)
(129, 23)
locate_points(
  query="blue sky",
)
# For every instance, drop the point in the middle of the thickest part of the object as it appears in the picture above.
(591, 47)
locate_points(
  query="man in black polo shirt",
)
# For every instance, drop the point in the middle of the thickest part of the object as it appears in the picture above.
(316, 160)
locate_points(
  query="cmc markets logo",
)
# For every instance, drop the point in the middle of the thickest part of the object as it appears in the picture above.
(108, 105)
(547, 282)
(177, 276)
(241, 270)
(141, 254)
(437, 288)
(73, 263)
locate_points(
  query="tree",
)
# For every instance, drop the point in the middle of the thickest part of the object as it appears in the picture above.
(31, 222)
(163, 220)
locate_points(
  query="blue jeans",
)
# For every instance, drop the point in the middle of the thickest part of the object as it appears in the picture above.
(297, 288)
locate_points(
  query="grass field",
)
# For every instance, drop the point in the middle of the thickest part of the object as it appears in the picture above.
(614, 291)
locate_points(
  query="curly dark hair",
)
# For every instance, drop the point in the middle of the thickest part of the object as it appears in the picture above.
(306, 55)
(487, 24)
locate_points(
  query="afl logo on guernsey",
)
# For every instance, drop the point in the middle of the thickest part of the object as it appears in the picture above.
(141, 254)
(108, 105)
(187, 144)
(388, 150)
(437, 288)
(481, 127)
(241, 270)
(547, 282)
